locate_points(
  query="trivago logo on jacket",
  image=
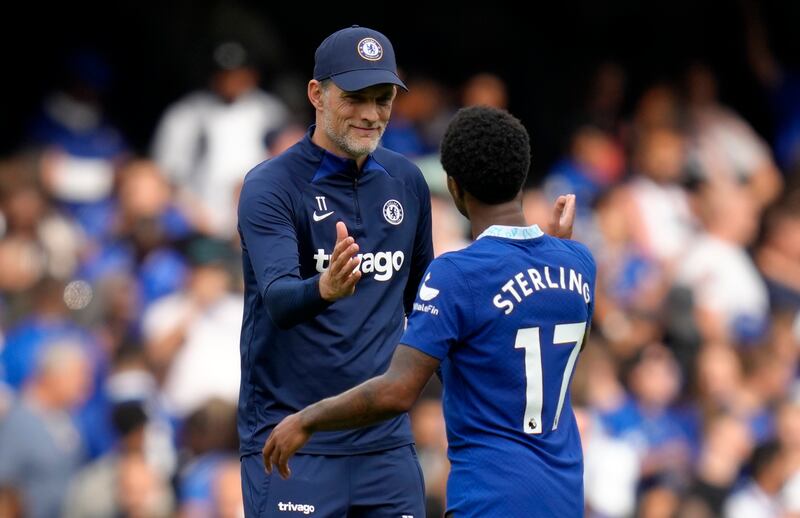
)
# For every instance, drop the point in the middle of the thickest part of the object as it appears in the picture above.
(382, 264)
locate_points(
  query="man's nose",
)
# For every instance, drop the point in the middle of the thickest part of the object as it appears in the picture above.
(369, 111)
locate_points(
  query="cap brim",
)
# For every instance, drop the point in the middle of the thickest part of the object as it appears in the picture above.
(360, 79)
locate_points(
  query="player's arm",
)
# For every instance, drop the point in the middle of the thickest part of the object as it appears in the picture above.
(375, 400)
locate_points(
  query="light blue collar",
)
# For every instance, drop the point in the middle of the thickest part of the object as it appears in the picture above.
(531, 232)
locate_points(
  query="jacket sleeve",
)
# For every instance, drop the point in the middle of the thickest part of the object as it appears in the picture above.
(269, 234)
(423, 245)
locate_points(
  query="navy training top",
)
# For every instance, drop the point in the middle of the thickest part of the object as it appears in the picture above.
(288, 209)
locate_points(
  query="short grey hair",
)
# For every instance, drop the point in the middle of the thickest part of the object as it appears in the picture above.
(59, 354)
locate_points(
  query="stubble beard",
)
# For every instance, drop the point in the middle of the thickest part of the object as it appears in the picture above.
(347, 143)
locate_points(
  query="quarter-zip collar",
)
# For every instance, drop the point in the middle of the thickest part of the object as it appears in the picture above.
(330, 164)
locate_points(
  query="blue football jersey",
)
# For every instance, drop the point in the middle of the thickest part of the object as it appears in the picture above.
(507, 317)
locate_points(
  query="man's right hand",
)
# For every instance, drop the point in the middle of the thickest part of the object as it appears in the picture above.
(340, 279)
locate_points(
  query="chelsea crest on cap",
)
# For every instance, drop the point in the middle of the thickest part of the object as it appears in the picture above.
(355, 58)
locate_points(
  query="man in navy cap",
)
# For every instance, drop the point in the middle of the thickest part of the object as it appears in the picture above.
(335, 215)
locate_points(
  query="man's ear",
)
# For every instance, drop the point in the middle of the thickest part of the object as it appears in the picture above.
(315, 94)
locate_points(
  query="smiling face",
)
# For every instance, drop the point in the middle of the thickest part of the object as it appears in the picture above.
(352, 123)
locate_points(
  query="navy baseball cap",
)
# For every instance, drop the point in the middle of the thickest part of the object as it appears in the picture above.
(356, 58)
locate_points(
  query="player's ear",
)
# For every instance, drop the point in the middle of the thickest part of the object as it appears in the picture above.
(315, 93)
(455, 190)
(457, 193)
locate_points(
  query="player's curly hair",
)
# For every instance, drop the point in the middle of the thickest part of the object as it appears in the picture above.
(487, 152)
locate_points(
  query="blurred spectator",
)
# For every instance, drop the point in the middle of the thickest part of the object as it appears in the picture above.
(630, 284)
(141, 236)
(485, 89)
(604, 101)
(788, 417)
(282, 138)
(447, 226)
(208, 140)
(778, 255)
(227, 490)
(726, 446)
(658, 207)
(660, 501)
(725, 147)
(730, 298)
(23, 260)
(210, 443)
(596, 383)
(419, 117)
(81, 149)
(144, 194)
(784, 338)
(197, 330)
(112, 309)
(430, 437)
(11, 505)
(215, 490)
(32, 222)
(140, 491)
(760, 496)
(6, 399)
(782, 84)
(40, 447)
(611, 470)
(22, 266)
(650, 420)
(117, 484)
(658, 108)
(131, 383)
(718, 378)
(48, 321)
(593, 165)
(766, 383)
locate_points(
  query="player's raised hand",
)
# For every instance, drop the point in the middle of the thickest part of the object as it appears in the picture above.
(563, 217)
(285, 439)
(340, 279)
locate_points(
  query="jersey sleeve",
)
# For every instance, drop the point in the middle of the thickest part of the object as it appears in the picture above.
(268, 232)
(442, 312)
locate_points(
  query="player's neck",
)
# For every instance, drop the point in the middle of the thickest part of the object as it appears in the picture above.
(483, 216)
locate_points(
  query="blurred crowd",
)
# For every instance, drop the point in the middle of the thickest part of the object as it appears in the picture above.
(121, 305)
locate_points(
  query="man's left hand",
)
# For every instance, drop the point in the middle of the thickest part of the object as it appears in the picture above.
(285, 439)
